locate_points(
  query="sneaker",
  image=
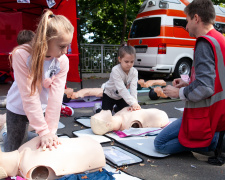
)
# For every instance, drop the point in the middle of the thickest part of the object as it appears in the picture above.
(66, 111)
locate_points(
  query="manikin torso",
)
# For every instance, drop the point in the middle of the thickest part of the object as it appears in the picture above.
(104, 122)
(149, 83)
(74, 155)
(98, 92)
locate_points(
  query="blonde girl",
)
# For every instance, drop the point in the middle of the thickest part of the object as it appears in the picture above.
(123, 77)
(40, 76)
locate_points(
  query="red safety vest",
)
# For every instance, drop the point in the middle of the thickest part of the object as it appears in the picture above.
(202, 119)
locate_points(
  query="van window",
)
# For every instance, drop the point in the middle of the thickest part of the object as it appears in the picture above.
(220, 27)
(148, 27)
(179, 29)
(180, 22)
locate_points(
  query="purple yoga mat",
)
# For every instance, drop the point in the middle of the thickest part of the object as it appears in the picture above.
(81, 103)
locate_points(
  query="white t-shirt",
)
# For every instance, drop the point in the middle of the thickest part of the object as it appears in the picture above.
(119, 82)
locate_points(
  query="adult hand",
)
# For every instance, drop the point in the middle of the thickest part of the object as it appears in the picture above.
(171, 91)
(134, 107)
(48, 141)
(178, 83)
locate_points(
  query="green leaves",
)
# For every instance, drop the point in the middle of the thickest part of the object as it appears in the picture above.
(110, 21)
(218, 2)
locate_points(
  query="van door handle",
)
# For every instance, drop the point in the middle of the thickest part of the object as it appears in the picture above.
(138, 59)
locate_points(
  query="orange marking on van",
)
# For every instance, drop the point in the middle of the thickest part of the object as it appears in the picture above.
(171, 31)
(220, 18)
(154, 12)
(185, 2)
(170, 42)
(169, 12)
(178, 13)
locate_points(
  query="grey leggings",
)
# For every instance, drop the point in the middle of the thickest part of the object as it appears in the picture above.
(17, 126)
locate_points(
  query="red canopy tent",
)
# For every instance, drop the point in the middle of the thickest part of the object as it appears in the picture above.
(17, 16)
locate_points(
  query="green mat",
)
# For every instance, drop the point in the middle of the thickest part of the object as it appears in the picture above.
(145, 100)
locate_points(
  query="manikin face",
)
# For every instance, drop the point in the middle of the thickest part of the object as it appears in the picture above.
(58, 46)
(191, 26)
(127, 62)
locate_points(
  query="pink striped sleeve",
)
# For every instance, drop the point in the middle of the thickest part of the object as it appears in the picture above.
(31, 104)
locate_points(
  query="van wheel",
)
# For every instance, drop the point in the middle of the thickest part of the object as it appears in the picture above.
(183, 67)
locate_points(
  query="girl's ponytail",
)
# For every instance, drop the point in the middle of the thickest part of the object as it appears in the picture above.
(40, 48)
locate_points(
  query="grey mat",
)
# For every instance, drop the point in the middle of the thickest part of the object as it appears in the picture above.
(89, 133)
(85, 121)
(145, 100)
(60, 125)
(144, 145)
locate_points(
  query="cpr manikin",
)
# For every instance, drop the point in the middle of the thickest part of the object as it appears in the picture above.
(150, 83)
(159, 92)
(74, 155)
(104, 122)
(98, 92)
(156, 85)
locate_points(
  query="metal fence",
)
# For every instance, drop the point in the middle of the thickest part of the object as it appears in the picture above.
(98, 58)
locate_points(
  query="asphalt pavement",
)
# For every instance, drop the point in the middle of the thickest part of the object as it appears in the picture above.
(187, 165)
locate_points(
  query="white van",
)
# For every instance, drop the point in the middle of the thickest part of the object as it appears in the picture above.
(160, 38)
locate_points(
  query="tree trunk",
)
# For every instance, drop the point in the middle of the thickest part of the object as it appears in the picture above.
(124, 21)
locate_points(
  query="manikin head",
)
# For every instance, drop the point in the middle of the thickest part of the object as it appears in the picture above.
(104, 122)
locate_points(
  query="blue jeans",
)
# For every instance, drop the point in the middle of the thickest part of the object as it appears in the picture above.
(166, 142)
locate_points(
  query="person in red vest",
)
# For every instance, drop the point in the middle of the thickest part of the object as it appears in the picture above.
(204, 114)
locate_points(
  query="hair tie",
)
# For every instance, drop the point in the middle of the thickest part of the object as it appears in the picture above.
(52, 15)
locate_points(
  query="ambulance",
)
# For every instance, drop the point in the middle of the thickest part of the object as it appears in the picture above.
(160, 38)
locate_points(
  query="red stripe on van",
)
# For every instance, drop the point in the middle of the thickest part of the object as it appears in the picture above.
(169, 12)
(185, 2)
(154, 42)
(220, 19)
(177, 32)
